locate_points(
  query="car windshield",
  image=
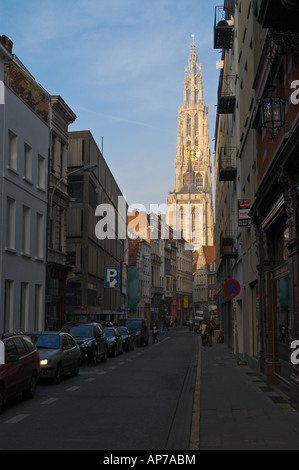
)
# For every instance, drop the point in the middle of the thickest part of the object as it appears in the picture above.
(134, 324)
(109, 331)
(48, 341)
(122, 330)
(81, 331)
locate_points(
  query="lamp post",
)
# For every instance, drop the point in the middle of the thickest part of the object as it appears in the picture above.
(89, 167)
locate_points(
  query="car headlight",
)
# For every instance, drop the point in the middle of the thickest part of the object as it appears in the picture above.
(138, 332)
(86, 345)
(44, 362)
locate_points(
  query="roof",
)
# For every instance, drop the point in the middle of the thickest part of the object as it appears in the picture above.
(210, 253)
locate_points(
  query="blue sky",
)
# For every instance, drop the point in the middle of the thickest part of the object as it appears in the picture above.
(119, 65)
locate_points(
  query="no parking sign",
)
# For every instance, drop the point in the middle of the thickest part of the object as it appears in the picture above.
(231, 288)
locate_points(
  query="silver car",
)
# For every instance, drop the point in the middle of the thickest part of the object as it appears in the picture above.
(59, 354)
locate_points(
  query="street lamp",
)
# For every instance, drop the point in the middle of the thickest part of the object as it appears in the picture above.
(272, 111)
(89, 167)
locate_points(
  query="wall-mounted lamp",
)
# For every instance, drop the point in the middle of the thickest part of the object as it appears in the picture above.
(272, 110)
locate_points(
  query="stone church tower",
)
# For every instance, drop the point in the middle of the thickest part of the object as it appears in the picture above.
(189, 206)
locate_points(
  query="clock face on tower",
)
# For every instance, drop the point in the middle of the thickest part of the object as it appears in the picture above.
(193, 152)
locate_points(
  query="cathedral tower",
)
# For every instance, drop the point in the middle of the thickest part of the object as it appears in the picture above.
(189, 206)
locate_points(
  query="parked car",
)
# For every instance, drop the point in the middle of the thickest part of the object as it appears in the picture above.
(138, 327)
(114, 339)
(59, 354)
(188, 322)
(91, 339)
(19, 366)
(127, 337)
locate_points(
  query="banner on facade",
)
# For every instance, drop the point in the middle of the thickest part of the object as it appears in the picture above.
(243, 210)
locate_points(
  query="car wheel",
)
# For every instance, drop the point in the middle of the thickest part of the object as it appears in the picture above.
(30, 392)
(121, 349)
(105, 355)
(57, 378)
(115, 351)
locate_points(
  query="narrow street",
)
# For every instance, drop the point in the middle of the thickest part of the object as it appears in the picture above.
(141, 399)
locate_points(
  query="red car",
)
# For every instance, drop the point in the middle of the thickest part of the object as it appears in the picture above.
(19, 366)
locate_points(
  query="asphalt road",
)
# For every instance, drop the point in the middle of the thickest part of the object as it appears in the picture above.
(140, 400)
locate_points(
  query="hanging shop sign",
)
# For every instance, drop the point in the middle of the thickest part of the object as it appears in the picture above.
(243, 210)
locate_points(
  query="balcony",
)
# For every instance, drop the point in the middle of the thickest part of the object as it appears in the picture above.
(227, 249)
(223, 30)
(226, 94)
(227, 164)
(279, 15)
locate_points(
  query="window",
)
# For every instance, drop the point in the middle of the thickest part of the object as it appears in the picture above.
(64, 341)
(39, 236)
(11, 224)
(24, 304)
(41, 172)
(199, 181)
(188, 126)
(20, 346)
(26, 230)
(38, 305)
(8, 304)
(27, 162)
(188, 94)
(196, 125)
(12, 150)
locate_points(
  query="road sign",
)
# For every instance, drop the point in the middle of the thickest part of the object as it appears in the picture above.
(231, 288)
(215, 297)
(111, 277)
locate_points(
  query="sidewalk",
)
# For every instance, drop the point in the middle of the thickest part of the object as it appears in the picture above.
(238, 411)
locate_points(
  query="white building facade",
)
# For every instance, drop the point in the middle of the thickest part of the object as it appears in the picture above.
(24, 185)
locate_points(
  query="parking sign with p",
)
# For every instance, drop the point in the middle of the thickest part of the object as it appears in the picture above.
(111, 277)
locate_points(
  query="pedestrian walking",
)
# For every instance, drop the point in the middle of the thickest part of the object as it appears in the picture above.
(175, 322)
(203, 327)
(165, 323)
(155, 333)
(209, 333)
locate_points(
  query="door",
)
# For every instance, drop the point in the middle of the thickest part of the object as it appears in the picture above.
(25, 362)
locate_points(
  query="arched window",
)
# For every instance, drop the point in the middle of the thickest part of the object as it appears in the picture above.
(189, 125)
(196, 124)
(199, 182)
(188, 93)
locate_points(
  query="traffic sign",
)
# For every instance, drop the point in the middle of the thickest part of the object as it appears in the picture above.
(111, 277)
(231, 288)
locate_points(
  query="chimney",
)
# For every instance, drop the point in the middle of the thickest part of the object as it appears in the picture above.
(6, 42)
